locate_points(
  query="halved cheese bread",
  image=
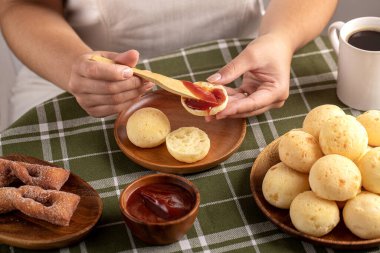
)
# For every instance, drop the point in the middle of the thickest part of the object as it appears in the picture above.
(188, 144)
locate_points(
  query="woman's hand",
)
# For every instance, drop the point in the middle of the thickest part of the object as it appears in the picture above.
(265, 65)
(103, 89)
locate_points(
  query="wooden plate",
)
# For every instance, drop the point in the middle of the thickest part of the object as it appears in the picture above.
(19, 230)
(226, 136)
(340, 237)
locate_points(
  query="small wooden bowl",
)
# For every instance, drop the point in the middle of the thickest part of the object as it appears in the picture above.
(340, 237)
(160, 233)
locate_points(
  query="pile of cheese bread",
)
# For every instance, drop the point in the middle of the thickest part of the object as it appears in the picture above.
(329, 167)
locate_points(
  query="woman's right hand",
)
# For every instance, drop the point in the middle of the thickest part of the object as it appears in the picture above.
(104, 89)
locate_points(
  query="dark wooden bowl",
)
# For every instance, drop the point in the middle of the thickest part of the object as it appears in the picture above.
(19, 230)
(226, 136)
(340, 237)
(160, 233)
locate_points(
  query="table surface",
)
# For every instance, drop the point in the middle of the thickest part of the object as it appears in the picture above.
(59, 131)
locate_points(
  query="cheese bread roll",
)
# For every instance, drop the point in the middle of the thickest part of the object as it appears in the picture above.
(282, 184)
(357, 160)
(361, 215)
(148, 127)
(299, 150)
(335, 177)
(343, 135)
(313, 215)
(371, 122)
(369, 166)
(319, 116)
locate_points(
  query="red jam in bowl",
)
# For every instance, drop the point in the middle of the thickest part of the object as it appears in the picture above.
(160, 202)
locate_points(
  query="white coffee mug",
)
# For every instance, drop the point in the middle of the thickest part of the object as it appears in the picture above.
(358, 70)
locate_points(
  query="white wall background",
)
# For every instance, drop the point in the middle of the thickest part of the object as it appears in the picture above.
(347, 9)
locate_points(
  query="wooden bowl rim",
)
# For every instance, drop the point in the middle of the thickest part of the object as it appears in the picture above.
(62, 240)
(181, 168)
(347, 245)
(127, 190)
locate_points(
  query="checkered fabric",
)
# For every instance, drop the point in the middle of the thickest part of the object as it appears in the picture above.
(59, 131)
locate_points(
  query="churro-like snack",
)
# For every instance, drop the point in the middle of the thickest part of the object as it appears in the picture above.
(7, 195)
(56, 207)
(6, 173)
(44, 176)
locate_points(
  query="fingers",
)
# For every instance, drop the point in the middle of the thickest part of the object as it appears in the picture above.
(102, 71)
(234, 69)
(256, 103)
(103, 88)
(129, 58)
(257, 112)
(92, 100)
(105, 105)
(105, 110)
(106, 71)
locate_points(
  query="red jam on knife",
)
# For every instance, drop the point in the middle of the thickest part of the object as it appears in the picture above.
(201, 92)
(208, 98)
(160, 202)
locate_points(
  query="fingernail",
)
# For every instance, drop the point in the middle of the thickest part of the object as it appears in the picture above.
(127, 72)
(213, 78)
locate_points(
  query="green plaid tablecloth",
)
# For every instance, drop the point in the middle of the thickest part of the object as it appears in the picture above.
(59, 131)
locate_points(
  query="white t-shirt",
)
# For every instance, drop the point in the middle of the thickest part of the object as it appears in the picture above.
(152, 27)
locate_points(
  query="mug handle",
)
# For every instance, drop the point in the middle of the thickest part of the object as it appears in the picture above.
(333, 35)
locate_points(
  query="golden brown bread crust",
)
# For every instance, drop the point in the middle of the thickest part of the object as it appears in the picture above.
(56, 207)
(44, 176)
(147, 127)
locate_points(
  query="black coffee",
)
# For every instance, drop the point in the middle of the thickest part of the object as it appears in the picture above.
(366, 40)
